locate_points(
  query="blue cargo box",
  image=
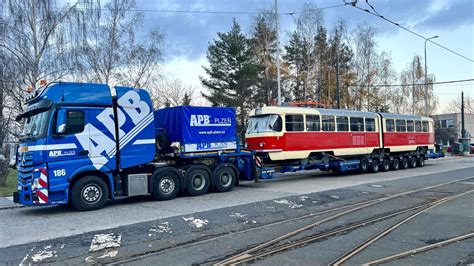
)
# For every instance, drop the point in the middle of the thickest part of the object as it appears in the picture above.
(198, 128)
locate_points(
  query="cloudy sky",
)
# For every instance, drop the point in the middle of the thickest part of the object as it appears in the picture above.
(188, 34)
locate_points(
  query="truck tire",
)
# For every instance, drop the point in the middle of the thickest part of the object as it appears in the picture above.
(165, 186)
(395, 164)
(412, 162)
(224, 178)
(421, 161)
(374, 166)
(89, 193)
(198, 180)
(364, 165)
(385, 165)
(404, 163)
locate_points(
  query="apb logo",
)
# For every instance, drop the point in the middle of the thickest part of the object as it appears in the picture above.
(102, 148)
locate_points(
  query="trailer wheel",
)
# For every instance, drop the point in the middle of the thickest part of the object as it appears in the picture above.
(198, 180)
(165, 186)
(89, 193)
(404, 163)
(412, 162)
(395, 164)
(385, 165)
(364, 165)
(421, 161)
(374, 166)
(224, 178)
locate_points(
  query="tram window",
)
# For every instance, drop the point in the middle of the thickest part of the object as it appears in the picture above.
(313, 123)
(357, 123)
(328, 123)
(410, 126)
(294, 123)
(418, 126)
(425, 126)
(390, 125)
(369, 124)
(401, 125)
(342, 123)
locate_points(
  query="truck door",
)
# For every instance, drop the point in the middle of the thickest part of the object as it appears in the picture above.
(63, 151)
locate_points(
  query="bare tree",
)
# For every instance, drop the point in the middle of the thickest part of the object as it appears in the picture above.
(454, 106)
(166, 93)
(35, 44)
(110, 48)
(413, 80)
(365, 66)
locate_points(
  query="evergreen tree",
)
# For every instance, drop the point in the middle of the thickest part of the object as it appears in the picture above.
(264, 46)
(232, 73)
(294, 57)
(186, 99)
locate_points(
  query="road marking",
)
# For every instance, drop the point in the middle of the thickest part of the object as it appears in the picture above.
(195, 222)
(108, 242)
(160, 228)
(48, 251)
(103, 241)
(289, 203)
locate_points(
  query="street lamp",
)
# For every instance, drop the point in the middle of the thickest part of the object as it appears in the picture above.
(426, 78)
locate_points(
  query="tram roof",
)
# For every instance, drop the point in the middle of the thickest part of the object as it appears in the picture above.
(308, 110)
(406, 117)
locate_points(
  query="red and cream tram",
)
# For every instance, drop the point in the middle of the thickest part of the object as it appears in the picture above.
(298, 133)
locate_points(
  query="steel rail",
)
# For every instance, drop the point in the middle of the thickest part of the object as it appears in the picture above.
(385, 232)
(243, 255)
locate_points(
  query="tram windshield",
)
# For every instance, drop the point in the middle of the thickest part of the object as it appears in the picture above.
(264, 123)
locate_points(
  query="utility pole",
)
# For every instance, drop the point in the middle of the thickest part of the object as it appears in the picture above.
(463, 129)
(338, 96)
(426, 79)
(278, 54)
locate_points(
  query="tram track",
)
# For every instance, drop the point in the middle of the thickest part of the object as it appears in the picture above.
(344, 210)
(248, 254)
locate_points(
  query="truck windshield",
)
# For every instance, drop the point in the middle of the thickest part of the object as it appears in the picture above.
(35, 125)
(264, 123)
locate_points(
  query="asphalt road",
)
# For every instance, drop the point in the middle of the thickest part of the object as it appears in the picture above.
(184, 230)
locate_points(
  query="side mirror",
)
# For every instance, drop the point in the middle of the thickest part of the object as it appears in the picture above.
(61, 121)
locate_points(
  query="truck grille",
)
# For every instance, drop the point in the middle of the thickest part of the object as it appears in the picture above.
(25, 166)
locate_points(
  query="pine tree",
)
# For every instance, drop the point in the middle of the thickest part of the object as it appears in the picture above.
(186, 99)
(263, 44)
(294, 57)
(232, 73)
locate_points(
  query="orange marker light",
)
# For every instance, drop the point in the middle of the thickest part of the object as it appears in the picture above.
(29, 89)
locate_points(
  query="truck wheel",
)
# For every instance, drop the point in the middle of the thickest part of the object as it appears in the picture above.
(364, 165)
(165, 186)
(412, 162)
(385, 165)
(395, 164)
(421, 161)
(224, 177)
(197, 181)
(374, 166)
(89, 193)
(404, 163)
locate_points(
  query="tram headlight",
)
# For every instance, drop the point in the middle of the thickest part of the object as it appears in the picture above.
(262, 144)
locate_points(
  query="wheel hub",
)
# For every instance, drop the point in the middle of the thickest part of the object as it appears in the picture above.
(91, 193)
(166, 185)
(198, 182)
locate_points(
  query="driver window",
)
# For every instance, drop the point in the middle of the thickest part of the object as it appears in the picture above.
(74, 122)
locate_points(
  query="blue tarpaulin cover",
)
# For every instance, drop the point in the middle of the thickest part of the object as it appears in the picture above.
(198, 128)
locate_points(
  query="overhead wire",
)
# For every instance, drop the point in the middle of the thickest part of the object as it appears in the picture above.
(375, 13)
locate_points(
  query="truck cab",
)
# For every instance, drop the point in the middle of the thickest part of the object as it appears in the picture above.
(82, 136)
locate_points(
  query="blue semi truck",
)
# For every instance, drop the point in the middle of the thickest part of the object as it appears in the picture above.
(83, 144)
